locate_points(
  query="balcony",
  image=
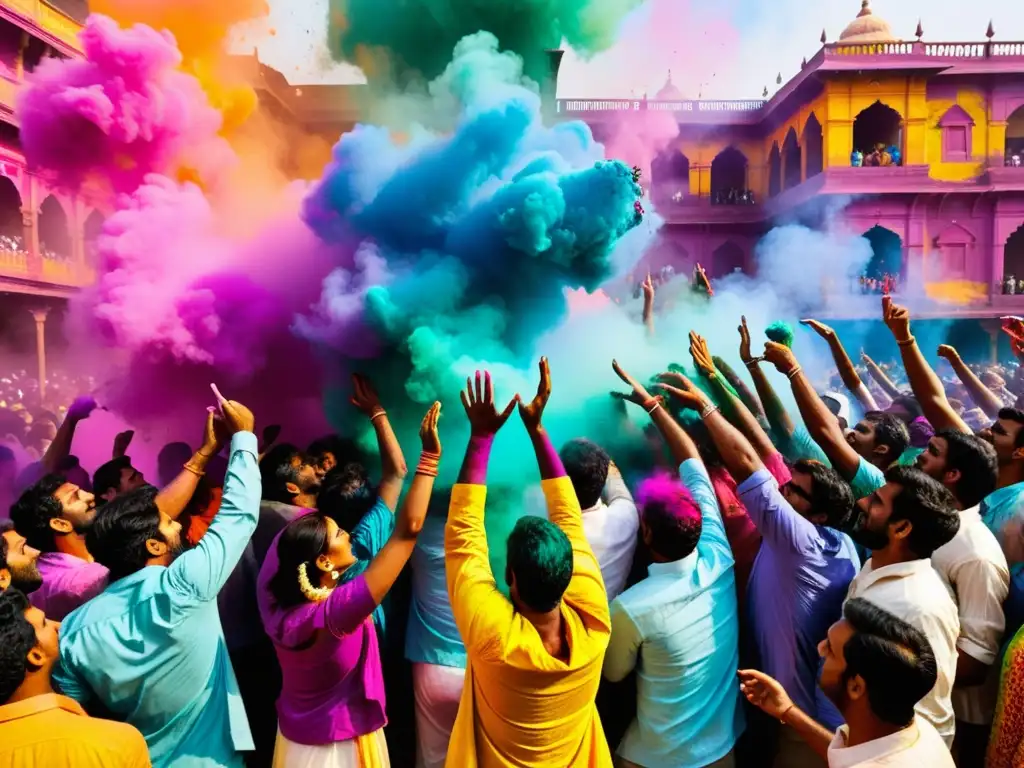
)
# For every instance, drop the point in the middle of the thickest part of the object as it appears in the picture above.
(700, 210)
(46, 276)
(709, 111)
(44, 22)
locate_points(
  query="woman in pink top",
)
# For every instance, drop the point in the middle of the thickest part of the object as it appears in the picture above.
(331, 713)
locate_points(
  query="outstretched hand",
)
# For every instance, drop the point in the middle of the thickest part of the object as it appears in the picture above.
(948, 352)
(81, 408)
(639, 393)
(780, 356)
(478, 400)
(532, 412)
(648, 289)
(897, 318)
(682, 389)
(364, 396)
(429, 438)
(764, 692)
(701, 354)
(745, 354)
(825, 331)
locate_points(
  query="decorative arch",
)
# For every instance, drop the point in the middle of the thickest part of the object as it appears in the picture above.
(955, 246)
(886, 253)
(957, 135)
(54, 231)
(814, 161)
(877, 126)
(791, 172)
(774, 171)
(1015, 136)
(12, 230)
(1013, 255)
(726, 259)
(670, 175)
(728, 175)
(91, 231)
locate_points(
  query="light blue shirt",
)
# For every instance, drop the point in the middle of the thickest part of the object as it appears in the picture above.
(432, 637)
(999, 508)
(151, 647)
(868, 479)
(368, 538)
(679, 628)
(800, 445)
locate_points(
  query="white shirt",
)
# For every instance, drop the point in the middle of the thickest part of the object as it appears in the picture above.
(611, 527)
(918, 746)
(913, 591)
(974, 569)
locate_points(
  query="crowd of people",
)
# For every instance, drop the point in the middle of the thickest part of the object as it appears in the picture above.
(734, 196)
(728, 585)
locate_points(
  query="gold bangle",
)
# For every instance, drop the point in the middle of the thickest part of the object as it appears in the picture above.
(794, 372)
(194, 470)
(906, 342)
(377, 414)
(786, 711)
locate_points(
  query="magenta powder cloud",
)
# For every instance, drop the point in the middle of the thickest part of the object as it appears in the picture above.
(120, 113)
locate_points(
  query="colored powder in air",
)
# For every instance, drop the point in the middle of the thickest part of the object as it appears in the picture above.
(394, 38)
(780, 332)
(121, 113)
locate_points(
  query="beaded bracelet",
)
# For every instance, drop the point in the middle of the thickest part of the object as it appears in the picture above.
(194, 470)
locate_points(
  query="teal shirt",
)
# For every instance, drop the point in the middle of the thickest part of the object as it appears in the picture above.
(368, 538)
(999, 508)
(151, 649)
(800, 446)
(868, 479)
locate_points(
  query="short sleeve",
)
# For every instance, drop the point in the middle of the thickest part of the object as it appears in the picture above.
(868, 479)
(373, 531)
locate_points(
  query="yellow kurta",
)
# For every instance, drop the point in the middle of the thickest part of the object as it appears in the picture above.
(521, 706)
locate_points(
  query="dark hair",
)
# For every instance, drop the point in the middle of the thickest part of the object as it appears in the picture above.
(6, 454)
(35, 508)
(927, 505)
(977, 462)
(171, 458)
(345, 450)
(277, 470)
(108, 477)
(909, 404)
(302, 541)
(5, 526)
(117, 537)
(830, 494)
(671, 515)
(586, 464)
(540, 558)
(346, 495)
(889, 431)
(1015, 415)
(893, 658)
(17, 638)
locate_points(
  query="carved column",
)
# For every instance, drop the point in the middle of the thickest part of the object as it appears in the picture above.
(39, 315)
(30, 222)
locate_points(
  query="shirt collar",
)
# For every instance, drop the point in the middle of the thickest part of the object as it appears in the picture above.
(869, 575)
(37, 705)
(682, 567)
(596, 508)
(870, 752)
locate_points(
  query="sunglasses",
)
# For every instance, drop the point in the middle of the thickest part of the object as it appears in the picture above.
(795, 489)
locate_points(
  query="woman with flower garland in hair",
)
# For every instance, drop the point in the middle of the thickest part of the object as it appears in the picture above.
(331, 711)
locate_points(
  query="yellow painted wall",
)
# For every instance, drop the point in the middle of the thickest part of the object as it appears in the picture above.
(973, 103)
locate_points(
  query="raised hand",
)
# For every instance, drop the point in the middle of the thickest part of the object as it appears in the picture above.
(638, 393)
(745, 354)
(897, 318)
(825, 331)
(364, 396)
(478, 400)
(532, 412)
(948, 352)
(237, 418)
(648, 289)
(121, 442)
(215, 433)
(81, 408)
(429, 438)
(682, 389)
(701, 354)
(780, 356)
(764, 692)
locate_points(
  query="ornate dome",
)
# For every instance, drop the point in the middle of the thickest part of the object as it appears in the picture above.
(867, 28)
(668, 91)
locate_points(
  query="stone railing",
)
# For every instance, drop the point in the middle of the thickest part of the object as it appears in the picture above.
(48, 20)
(932, 50)
(718, 106)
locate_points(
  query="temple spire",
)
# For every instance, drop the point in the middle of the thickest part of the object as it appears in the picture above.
(991, 32)
(865, 8)
(824, 37)
(919, 31)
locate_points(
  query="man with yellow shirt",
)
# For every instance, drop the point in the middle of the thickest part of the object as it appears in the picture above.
(37, 726)
(533, 662)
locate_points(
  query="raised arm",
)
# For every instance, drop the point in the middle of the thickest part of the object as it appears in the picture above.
(586, 591)
(393, 468)
(200, 573)
(883, 381)
(737, 411)
(60, 446)
(982, 396)
(648, 289)
(386, 567)
(174, 497)
(926, 385)
(679, 443)
(778, 417)
(820, 421)
(481, 612)
(847, 371)
(748, 398)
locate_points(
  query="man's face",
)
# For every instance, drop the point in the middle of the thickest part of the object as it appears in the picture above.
(170, 530)
(22, 564)
(862, 439)
(831, 650)
(131, 479)
(78, 506)
(326, 463)
(871, 528)
(308, 480)
(798, 493)
(1004, 439)
(47, 648)
(932, 460)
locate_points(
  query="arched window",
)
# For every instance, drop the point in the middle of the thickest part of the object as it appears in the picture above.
(91, 231)
(957, 134)
(774, 171)
(791, 175)
(886, 254)
(1015, 137)
(12, 230)
(1013, 256)
(54, 235)
(813, 147)
(670, 176)
(729, 177)
(876, 130)
(725, 260)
